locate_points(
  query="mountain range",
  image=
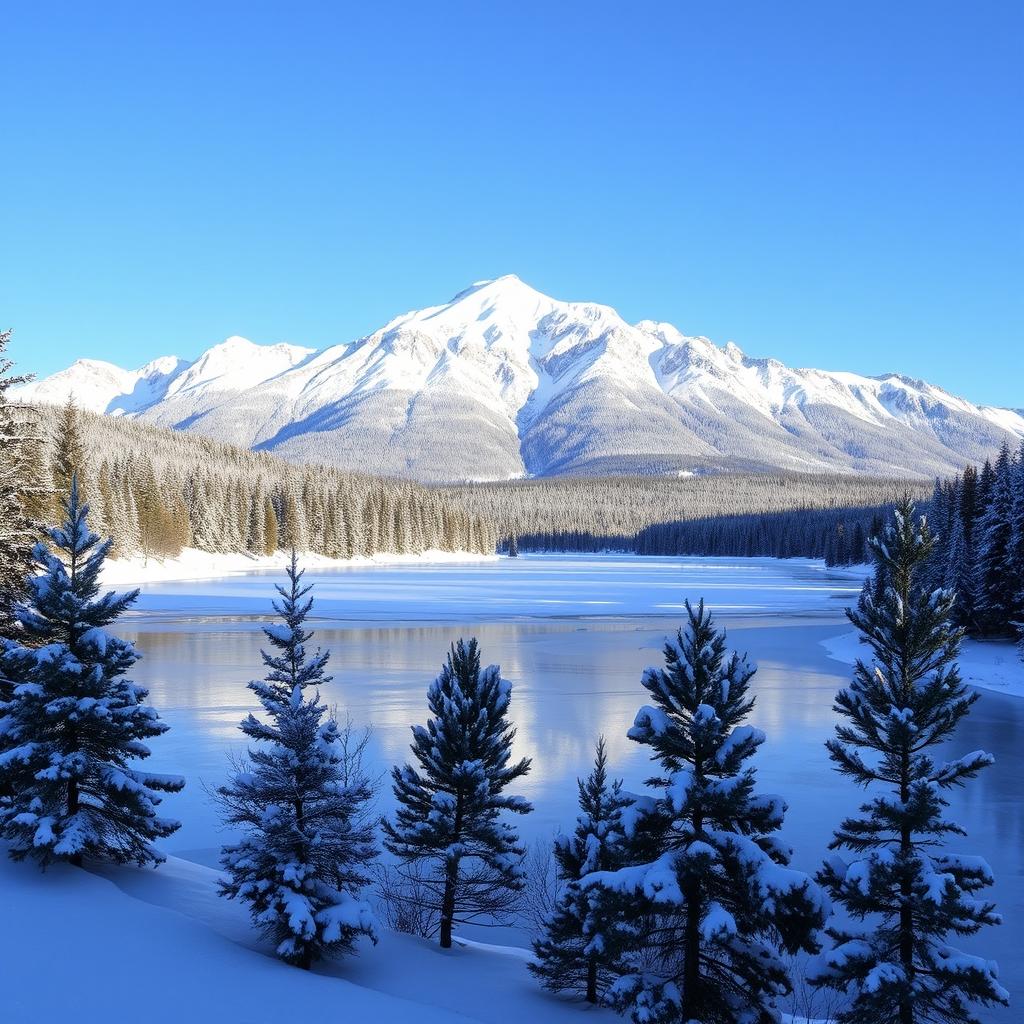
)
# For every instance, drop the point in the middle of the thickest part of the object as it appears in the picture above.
(503, 381)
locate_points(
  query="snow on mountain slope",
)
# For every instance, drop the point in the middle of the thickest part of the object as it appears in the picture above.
(503, 381)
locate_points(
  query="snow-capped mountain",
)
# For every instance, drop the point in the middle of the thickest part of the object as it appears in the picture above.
(503, 381)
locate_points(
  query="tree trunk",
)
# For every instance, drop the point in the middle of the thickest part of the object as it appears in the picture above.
(451, 878)
(73, 804)
(691, 939)
(592, 980)
(906, 913)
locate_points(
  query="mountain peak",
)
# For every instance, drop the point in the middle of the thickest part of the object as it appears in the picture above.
(504, 381)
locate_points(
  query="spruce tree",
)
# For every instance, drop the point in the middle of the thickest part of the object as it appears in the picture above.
(904, 894)
(588, 928)
(449, 809)
(74, 726)
(722, 902)
(307, 839)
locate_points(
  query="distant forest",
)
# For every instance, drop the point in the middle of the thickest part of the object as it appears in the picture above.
(156, 491)
(780, 515)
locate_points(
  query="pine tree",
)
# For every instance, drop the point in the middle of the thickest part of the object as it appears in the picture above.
(996, 584)
(307, 840)
(903, 893)
(74, 725)
(723, 903)
(588, 928)
(18, 454)
(68, 457)
(449, 809)
(1015, 555)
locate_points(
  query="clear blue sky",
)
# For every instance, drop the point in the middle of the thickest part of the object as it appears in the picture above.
(833, 184)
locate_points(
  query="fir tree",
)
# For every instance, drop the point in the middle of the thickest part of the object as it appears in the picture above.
(588, 928)
(722, 901)
(74, 725)
(448, 817)
(307, 840)
(904, 894)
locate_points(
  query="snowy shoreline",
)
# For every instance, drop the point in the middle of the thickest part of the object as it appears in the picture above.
(988, 665)
(193, 564)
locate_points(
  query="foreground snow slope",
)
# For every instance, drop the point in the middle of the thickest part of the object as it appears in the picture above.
(161, 946)
(502, 381)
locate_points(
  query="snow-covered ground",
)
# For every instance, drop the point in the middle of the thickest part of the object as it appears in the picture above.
(990, 665)
(195, 565)
(162, 946)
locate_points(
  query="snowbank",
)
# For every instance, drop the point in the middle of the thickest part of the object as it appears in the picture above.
(193, 564)
(989, 665)
(161, 945)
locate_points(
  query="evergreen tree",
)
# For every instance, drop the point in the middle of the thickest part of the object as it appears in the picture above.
(1016, 553)
(449, 809)
(904, 894)
(997, 586)
(588, 928)
(74, 726)
(307, 840)
(722, 901)
(17, 486)
(68, 457)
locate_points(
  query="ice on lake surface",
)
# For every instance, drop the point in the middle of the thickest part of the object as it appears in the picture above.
(573, 634)
(529, 587)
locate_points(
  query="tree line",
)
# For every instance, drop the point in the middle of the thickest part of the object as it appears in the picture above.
(642, 514)
(678, 904)
(979, 516)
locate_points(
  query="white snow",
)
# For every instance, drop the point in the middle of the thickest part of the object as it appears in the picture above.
(989, 664)
(197, 957)
(521, 355)
(193, 564)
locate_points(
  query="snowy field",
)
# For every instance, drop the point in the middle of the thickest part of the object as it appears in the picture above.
(573, 634)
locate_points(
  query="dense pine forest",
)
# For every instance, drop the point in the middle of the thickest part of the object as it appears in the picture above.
(156, 491)
(784, 515)
(979, 519)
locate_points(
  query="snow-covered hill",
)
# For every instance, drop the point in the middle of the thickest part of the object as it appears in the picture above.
(503, 381)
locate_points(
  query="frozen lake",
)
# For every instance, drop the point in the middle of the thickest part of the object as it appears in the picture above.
(573, 634)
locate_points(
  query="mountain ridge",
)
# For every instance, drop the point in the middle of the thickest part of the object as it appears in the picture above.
(502, 381)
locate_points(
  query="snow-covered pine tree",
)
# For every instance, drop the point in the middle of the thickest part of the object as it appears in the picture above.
(1016, 553)
(68, 457)
(587, 928)
(723, 903)
(18, 470)
(307, 840)
(74, 725)
(995, 581)
(905, 896)
(447, 826)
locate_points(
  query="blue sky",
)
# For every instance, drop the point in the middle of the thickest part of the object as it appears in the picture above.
(835, 185)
